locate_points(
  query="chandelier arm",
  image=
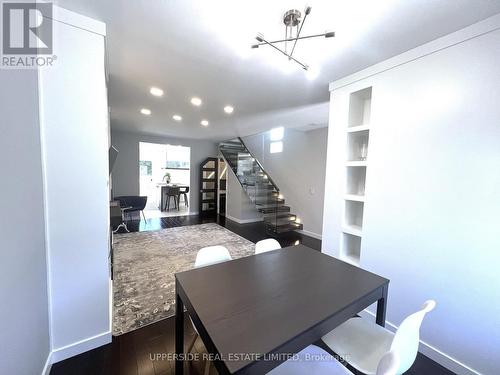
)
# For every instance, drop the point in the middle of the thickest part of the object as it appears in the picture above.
(286, 37)
(298, 33)
(305, 67)
(292, 39)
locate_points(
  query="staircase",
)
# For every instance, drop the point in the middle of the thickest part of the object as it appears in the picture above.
(259, 187)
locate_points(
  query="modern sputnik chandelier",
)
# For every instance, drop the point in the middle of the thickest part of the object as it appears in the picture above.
(293, 26)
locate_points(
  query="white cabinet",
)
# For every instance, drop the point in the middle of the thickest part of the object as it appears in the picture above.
(75, 138)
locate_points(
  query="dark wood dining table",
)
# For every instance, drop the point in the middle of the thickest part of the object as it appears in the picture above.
(249, 311)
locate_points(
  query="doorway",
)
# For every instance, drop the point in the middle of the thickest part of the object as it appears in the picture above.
(168, 166)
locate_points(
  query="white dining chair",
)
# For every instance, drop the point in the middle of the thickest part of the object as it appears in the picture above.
(316, 361)
(366, 343)
(267, 245)
(206, 257)
(211, 255)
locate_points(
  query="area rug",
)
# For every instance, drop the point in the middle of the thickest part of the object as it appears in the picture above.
(145, 264)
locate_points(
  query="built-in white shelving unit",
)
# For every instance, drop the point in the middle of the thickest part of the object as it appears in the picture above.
(357, 138)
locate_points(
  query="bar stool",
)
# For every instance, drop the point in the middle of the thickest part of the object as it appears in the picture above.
(184, 192)
(169, 193)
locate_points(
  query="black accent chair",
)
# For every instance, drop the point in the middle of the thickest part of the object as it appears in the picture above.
(132, 203)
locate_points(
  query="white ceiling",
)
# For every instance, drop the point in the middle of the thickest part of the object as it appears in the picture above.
(202, 48)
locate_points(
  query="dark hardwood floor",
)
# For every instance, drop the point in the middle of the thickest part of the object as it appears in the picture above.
(146, 351)
(253, 231)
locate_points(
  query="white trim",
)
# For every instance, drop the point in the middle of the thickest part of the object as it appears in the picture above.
(480, 28)
(48, 365)
(310, 234)
(81, 346)
(77, 20)
(43, 161)
(428, 350)
(244, 221)
(193, 212)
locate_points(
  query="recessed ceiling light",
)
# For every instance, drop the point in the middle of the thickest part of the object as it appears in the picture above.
(228, 109)
(145, 111)
(177, 117)
(155, 91)
(204, 122)
(196, 101)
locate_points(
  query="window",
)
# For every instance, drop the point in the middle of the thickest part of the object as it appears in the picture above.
(276, 136)
(276, 147)
(146, 168)
(178, 157)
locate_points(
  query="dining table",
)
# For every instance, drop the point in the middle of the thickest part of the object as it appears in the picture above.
(163, 187)
(254, 313)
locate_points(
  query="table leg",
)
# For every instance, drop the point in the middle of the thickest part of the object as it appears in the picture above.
(179, 332)
(161, 199)
(382, 307)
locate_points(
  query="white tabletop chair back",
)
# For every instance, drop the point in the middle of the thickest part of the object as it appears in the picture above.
(206, 257)
(267, 245)
(407, 337)
(316, 361)
(389, 364)
(211, 255)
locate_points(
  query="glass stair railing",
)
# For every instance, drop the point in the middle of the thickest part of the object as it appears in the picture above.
(259, 187)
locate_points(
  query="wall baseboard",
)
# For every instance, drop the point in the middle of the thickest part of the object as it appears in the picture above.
(429, 351)
(79, 347)
(310, 234)
(48, 365)
(244, 221)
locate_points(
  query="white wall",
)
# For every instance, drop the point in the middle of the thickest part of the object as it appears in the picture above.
(74, 128)
(24, 332)
(239, 207)
(299, 171)
(432, 190)
(126, 170)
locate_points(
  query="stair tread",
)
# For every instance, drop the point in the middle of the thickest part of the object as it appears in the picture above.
(285, 228)
(274, 209)
(231, 144)
(280, 221)
(272, 205)
(269, 202)
(280, 215)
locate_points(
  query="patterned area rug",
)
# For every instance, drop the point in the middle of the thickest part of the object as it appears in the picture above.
(144, 267)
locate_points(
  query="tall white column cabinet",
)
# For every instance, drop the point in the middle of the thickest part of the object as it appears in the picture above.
(75, 138)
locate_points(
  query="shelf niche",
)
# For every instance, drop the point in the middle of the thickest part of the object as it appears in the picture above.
(356, 178)
(354, 215)
(357, 146)
(351, 248)
(360, 107)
